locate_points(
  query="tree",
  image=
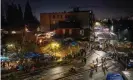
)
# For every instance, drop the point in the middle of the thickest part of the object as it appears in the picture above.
(2, 17)
(28, 16)
(12, 14)
(9, 14)
(20, 14)
(29, 47)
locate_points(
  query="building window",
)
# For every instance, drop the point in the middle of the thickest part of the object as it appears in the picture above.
(64, 31)
(53, 22)
(61, 16)
(57, 16)
(53, 16)
(66, 16)
(70, 31)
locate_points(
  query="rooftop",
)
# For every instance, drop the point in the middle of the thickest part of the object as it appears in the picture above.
(67, 12)
(66, 24)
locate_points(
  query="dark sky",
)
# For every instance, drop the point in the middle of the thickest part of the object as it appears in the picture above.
(101, 8)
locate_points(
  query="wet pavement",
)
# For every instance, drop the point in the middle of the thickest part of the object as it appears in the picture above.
(99, 75)
(62, 72)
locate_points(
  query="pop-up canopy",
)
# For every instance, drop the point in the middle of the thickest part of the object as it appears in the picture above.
(32, 55)
(3, 58)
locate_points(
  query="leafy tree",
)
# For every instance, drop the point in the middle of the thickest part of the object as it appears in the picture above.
(20, 13)
(29, 47)
(28, 16)
(9, 14)
(14, 15)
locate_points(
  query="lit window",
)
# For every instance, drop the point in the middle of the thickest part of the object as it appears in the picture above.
(64, 31)
(57, 16)
(70, 31)
(53, 22)
(53, 16)
(60, 16)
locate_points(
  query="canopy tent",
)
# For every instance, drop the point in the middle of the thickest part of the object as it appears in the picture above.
(114, 76)
(32, 55)
(74, 43)
(3, 58)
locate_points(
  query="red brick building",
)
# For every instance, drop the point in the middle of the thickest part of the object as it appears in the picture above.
(48, 20)
(68, 29)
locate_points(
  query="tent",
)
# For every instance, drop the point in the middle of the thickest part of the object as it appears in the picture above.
(114, 76)
(3, 58)
(32, 55)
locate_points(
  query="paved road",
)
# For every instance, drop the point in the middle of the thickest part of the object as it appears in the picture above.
(113, 66)
(61, 72)
(83, 74)
(50, 74)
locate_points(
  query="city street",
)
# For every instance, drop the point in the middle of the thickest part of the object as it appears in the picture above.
(66, 40)
(113, 66)
(62, 72)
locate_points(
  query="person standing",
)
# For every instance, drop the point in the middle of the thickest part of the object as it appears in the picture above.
(93, 62)
(105, 61)
(95, 67)
(84, 60)
(97, 60)
(91, 73)
(104, 71)
(102, 61)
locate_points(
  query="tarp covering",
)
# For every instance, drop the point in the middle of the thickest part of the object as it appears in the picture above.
(114, 76)
(32, 55)
(2, 58)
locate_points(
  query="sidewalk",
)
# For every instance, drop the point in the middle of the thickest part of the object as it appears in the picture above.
(84, 74)
(22, 72)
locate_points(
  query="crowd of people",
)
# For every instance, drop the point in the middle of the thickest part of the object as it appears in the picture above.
(26, 65)
(94, 66)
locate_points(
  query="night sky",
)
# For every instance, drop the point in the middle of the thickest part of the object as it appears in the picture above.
(101, 8)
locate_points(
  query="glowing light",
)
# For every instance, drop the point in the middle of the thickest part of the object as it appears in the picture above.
(55, 45)
(40, 40)
(10, 45)
(59, 60)
(98, 24)
(26, 29)
(13, 32)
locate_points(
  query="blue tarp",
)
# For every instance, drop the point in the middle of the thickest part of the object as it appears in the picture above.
(32, 55)
(2, 58)
(114, 76)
